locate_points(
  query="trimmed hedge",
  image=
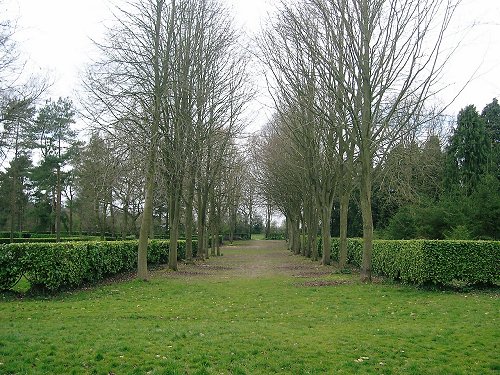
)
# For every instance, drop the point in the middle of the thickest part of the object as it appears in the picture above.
(238, 237)
(276, 236)
(429, 261)
(71, 264)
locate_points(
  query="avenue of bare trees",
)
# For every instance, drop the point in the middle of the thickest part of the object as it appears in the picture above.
(356, 145)
(170, 88)
(350, 79)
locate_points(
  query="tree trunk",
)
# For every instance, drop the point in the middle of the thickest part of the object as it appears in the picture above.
(13, 206)
(189, 221)
(174, 236)
(112, 214)
(71, 217)
(217, 231)
(147, 218)
(295, 229)
(250, 218)
(103, 221)
(302, 237)
(213, 215)
(205, 241)
(366, 210)
(125, 217)
(202, 220)
(53, 213)
(96, 227)
(312, 226)
(268, 220)
(217, 242)
(325, 232)
(58, 205)
(287, 233)
(232, 223)
(174, 216)
(167, 225)
(365, 141)
(212, 244)
(344, 210)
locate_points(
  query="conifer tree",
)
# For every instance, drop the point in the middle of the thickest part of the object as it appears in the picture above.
(467, 153)
(491, 118)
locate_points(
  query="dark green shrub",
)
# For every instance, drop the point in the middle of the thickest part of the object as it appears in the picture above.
(276, 236)
(54, 266)
(429, 261)
(354, 250)
(460, 232)
(68, 265)
(399, 260)
(11, 268)
(473, 262)
(403, 225)
(241, 236)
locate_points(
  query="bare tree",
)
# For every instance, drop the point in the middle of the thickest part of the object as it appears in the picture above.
(19, 91)
(279, 176)
(382, 58)
(127, 89)
(306, 102)
(171, 83)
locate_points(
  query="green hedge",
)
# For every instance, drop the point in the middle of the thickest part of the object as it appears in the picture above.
(71, 264)
(429, 261)
(275, 236)
(238, 237)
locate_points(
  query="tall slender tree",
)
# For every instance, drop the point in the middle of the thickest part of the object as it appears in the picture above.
(491, 118)
(467, 153)
(383, 58)
(57, 143)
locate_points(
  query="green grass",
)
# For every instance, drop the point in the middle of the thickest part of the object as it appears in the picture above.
(258, 236)
(251, 325)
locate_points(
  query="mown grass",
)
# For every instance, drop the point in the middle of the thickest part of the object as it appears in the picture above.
(258, 236)
(251, 325)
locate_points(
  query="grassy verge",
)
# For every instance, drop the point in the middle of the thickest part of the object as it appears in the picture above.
(273, 323)
(258, 236)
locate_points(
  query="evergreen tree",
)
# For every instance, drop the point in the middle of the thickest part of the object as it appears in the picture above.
(17, 116)
(467, 153)
(57, 144)
(491, 118)
(14, 193)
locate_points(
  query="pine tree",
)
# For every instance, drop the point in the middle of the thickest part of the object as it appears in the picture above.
(57, 143)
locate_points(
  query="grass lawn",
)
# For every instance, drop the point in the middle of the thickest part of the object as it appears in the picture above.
(258, 236)
(255, 310)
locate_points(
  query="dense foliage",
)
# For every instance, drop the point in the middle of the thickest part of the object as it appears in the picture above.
(425, 261)
(442, 188)
(72, 264)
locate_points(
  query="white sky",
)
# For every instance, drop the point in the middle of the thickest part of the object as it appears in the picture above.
(54, 36)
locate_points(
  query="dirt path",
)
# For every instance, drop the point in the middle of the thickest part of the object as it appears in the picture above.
(256, 258)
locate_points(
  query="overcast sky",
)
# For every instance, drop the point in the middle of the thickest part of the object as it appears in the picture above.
(54, 35)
